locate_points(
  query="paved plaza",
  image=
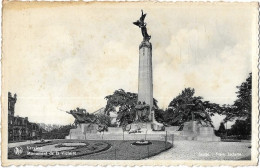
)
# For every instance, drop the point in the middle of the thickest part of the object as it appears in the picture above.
(197, 150)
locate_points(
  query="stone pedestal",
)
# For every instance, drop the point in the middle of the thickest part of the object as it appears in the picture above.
(190, 127)
(192, 130)
(141, 126)
(145, 76)
(207, 134)
(82, 131)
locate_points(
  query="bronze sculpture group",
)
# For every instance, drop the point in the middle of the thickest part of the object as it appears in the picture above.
(143, 111)
(83, 117)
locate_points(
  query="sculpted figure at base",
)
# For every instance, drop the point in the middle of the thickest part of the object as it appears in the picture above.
(143, 111)
(83, 117)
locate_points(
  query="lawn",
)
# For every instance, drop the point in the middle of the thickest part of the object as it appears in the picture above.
(89, 150)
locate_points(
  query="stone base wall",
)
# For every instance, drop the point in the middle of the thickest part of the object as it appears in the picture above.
(207, 134)
(172, 128)
(82, 130)
(116, 133)
(121, 136)
(114, 129)
(194, 131)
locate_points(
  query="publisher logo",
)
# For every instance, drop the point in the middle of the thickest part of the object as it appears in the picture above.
(18, 150)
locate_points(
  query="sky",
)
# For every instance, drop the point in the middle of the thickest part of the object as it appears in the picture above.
(67, 56)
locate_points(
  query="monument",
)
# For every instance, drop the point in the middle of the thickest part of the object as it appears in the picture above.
(145, 125)
(145, 76)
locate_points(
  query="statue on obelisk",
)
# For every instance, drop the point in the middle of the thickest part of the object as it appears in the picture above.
(145, 76)
(141, 24)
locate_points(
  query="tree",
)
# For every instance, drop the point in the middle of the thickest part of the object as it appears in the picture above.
(241, 128)
(222, 128)
(186, 107)
(104, 119)
(242, 107)
(58, 133)
(159, 115)
(126, 101)
(244, 101)
(228, 110)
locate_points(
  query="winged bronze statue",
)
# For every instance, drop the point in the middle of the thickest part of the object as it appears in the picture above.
(141, 24)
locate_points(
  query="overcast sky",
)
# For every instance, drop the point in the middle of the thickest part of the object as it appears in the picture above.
(63, 57)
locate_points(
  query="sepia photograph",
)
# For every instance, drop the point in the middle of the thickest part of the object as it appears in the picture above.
(151, 83)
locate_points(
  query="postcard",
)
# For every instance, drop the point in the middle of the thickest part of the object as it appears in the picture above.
(130, 83)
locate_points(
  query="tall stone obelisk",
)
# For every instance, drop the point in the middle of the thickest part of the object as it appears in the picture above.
(145, 76)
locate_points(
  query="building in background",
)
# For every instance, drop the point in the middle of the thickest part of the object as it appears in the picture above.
(19, 128)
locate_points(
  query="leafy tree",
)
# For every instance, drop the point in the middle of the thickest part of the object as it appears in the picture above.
(104, 119)
(58, 133)
(222, 128)
(126, 101)
(228, 110)
(242, 107)
(241, 128)
(159, 115)
(186, 107)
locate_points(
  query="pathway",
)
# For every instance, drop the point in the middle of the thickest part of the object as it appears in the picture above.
(197, 150)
